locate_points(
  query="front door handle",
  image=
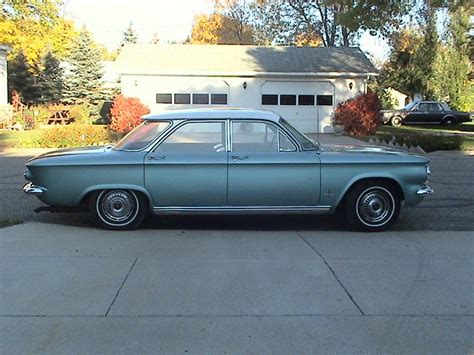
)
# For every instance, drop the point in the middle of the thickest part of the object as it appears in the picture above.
(239, 157)
(156, 157)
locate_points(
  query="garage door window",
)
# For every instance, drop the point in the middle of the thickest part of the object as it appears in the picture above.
(324, 100)
(163, 98)
(288, 100)
(269, 99)
(306, 100)
(200, 99)
(182, 99)
(218, 99)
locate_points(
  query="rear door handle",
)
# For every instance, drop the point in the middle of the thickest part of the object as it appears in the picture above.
(239, 157)
(156, 157)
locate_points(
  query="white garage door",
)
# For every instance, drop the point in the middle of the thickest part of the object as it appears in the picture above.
(308, 105)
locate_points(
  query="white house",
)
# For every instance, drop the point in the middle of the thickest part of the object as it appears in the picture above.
(5, 110)
(399, 98)
(303, 84)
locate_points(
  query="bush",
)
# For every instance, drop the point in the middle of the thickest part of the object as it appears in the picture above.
(73, 135)
(126, 113)
(360, 116)
(81, 113)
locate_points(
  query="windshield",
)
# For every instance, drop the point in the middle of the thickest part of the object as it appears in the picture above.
(306, 143)
(142, 135)
(410, 105)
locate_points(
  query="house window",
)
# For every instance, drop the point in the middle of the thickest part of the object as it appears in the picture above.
(324, 100)
(269, 99)
(200, 99)
(288, 100)
(182, 99)
(164, 98)
(218, 99)
(306, 100)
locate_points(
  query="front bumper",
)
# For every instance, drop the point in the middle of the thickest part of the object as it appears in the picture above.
(425, 191)
(32, 189)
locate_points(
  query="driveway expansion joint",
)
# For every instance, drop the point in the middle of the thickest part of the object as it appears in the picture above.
(120, 288)
(333, 273)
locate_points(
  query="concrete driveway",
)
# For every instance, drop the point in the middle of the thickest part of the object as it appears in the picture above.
(75, 289)
(255, 284)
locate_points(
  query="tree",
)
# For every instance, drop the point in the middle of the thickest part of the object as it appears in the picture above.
(219, 29)
(51, 79)
(129, 36)
(126, 113)
(21, 78)
(36, 27)
(83, 83)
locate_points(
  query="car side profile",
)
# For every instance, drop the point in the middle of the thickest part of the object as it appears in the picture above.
(227, 161)
(425, 112)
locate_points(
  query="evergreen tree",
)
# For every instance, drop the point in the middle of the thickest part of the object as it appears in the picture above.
(129, 36)
(21, 78)
(83, 83)
(51, 79)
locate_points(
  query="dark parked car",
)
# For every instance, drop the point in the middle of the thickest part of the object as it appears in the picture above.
(424, 112)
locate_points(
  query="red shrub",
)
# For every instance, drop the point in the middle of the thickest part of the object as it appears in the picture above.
(126, 113)
(360, 116)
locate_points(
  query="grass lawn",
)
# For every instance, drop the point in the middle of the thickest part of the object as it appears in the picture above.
(430, 137)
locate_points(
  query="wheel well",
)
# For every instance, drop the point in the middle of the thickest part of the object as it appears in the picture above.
(393, 183)
(451, 117)
(85, 200)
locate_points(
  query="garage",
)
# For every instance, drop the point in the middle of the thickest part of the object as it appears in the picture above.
(302, 84)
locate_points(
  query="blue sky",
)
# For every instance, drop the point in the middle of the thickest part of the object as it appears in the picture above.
(170, 20)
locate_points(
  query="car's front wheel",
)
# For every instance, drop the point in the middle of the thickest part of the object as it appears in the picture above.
(118, 209)
(372, 206)
(396, 121)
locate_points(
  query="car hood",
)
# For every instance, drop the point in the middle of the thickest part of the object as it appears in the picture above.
(365, 150)
(72, 151)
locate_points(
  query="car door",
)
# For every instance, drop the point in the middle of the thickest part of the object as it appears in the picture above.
(417, 114)
(267, 170)
(189, 167)
(435, 113)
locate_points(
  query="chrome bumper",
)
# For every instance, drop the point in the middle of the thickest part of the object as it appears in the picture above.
(425, 191)
(32, 189)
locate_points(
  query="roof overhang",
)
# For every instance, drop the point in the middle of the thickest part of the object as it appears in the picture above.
(257, 74)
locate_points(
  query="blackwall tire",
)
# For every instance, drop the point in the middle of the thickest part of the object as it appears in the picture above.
(372, 206)
(118, 209)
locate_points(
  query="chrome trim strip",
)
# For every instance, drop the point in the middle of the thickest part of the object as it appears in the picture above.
(425, 191)
(32, 189)
(243, 209)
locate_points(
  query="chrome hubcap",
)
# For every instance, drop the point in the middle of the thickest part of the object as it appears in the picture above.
(375, 206)
(118, 206)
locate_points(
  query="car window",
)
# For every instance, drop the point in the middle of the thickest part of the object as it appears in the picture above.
(254, 136)
(142, 135)
(422, 107)
(195, 137)
(433, 107)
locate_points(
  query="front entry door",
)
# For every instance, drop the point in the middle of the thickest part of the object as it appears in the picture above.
(189, 168)
(266, 170)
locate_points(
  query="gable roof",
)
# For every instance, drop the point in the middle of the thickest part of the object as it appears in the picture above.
(227, 60)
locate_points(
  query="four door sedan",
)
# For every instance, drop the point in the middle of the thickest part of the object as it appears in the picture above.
(227, 161)
(425, 112)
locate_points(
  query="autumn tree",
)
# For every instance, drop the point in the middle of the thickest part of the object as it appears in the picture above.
(219, 29)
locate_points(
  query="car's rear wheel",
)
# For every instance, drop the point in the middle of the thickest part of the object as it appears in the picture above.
(372, 206)
(118, 209)
(449, 121)
(396, 121)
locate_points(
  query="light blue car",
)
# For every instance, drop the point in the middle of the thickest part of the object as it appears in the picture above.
(227, 161)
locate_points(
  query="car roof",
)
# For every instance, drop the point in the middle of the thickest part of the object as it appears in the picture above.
(213, 113)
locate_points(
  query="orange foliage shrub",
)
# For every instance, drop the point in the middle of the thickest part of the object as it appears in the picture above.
(360, 116)
(126, 113)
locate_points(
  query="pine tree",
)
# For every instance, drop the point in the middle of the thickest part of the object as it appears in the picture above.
(21, 78)
(51, 80)
(129, 36)
(83, 83)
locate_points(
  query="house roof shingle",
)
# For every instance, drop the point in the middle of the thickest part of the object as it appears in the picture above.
(240, 60)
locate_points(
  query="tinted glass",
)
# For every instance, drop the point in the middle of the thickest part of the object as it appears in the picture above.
(200, 99)
(306, 100)
(195, 137)
(141, 136)
(219, 99)
(422, 107)
(163, 99)
(324, 100)
(182, 99)
(252, 136)
(433, 107)
(288, 100)
(269, 99)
